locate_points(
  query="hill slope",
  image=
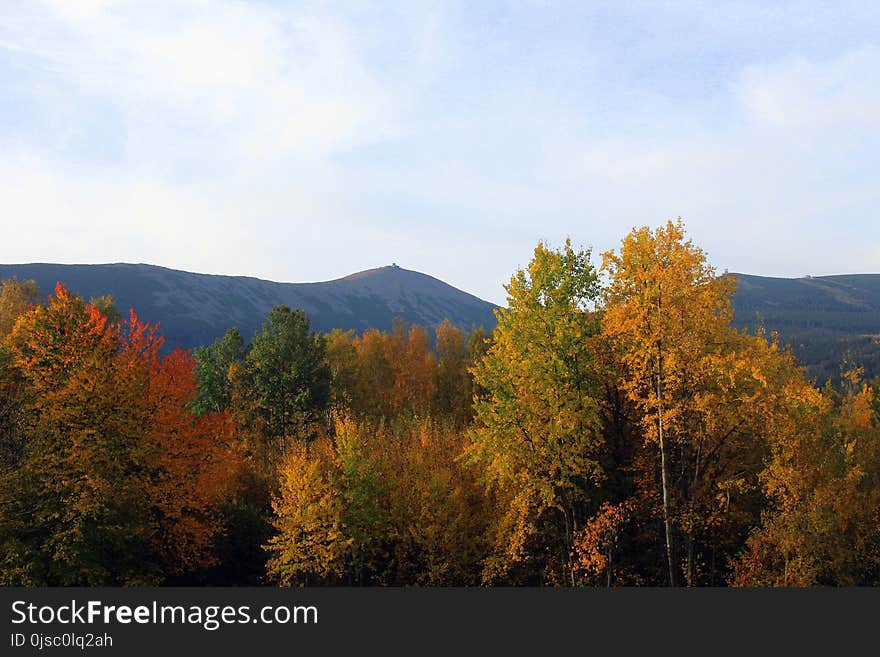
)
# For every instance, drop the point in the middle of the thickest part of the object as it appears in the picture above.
(195, 309)
(825, 318)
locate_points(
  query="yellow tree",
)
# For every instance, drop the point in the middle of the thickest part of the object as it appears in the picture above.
(665, 311)
(454, 384)
(373, 380)
(735, 403)
(822, 522)
(537, 434)
(437, 510)
(342, 361)
(415, 368)
(16, 298)
(308, 516)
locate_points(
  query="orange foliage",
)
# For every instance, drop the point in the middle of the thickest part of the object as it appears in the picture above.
(115, 460)
(596, 543)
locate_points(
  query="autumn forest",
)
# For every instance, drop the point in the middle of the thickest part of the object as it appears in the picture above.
(613, 429)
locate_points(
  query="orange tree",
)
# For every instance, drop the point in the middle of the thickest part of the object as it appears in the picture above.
(116, 481)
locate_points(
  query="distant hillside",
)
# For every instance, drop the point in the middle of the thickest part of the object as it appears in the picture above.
(195, 309)
(824, 318)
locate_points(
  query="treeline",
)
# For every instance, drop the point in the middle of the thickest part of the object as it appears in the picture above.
(613, 429)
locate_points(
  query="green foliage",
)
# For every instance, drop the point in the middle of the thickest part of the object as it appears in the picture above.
(216, 368)
(537, 436)
(107, 307)
(284, 386)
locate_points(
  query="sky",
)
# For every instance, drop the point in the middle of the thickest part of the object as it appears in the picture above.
(300, 141)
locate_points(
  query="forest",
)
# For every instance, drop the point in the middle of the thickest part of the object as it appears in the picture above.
(614, 429)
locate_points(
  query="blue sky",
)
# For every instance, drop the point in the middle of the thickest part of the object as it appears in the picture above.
(305, 141)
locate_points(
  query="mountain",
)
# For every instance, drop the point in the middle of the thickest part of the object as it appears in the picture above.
(195, 309)
(825, 319)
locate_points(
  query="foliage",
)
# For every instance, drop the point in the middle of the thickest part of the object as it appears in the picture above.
(115, 481)
(378, 505)
(283, 387)
(216, 369)
(822, 481)
(537, 437)
(615, 429)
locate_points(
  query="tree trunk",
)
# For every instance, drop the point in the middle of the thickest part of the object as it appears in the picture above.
(692, 493)
(690, 561)
(664, 468)
(568, 518)
(608, 555)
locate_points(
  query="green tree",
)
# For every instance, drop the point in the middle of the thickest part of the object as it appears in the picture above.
(106, 305)
(537, 433)
(216, 368)
(284, 387)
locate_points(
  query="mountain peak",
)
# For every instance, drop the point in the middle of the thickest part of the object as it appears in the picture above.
(195, 309)
(384, 270)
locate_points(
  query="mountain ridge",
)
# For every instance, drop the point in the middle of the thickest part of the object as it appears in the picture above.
(830, 322)
(194, 308)
(825, 319)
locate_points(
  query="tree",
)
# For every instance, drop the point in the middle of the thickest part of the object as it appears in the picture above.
(705, 394)
(194, 462)
(310, 542)
(663, 305)
(216, 368)
(414, 367)
(822, 483)
(537, 434)
(78, 513)
(284, 387)
(597, 542)
(388, 374)
(106, 305)
(454, 381)
(438, 517)
(385, 503)
(342, 359)
(372, 390)
(16, 298)
(115, 482)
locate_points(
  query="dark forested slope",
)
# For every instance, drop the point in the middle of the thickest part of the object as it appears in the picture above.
(826, 319)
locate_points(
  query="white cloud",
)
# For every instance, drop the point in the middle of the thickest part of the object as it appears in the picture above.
(260, 83)
(799, 94)
(305, 142)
